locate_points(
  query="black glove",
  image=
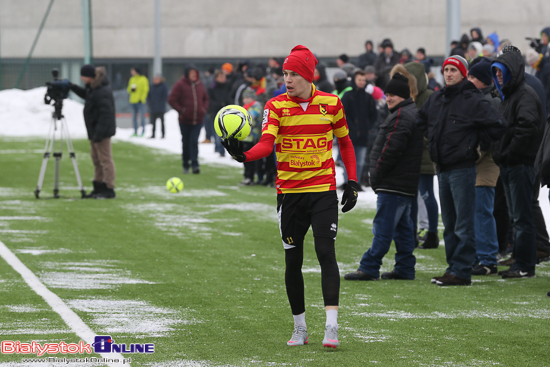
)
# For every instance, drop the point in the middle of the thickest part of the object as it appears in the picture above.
(235, 149)
(349, 197)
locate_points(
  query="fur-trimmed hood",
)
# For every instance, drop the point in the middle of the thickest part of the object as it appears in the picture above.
(100, 78)
(399, 68)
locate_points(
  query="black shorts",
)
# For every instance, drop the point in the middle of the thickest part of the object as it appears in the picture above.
(297, 212)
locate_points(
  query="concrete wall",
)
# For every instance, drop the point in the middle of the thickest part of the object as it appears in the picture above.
(255, 28)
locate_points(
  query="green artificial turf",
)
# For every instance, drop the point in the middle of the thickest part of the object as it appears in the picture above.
(201, 275)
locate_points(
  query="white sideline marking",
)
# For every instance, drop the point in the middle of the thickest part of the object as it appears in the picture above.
(56, 303)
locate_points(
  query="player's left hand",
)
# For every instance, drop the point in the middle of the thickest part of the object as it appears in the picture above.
(349, 197)
(235, 149)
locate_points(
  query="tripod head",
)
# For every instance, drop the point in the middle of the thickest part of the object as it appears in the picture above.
(57, 91)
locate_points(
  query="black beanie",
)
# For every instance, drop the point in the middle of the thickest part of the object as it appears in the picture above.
(88, 70)
(399, 86)
(344, 58)
(482, 71)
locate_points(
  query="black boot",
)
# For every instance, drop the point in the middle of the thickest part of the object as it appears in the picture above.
(432, 241)
(95, 191)
(106, 193)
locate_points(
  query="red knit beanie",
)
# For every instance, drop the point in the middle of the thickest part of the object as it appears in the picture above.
(459, 62)
(302, 61)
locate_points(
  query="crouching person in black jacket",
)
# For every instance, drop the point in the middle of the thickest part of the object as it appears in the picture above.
(99, 116)
(394, 174)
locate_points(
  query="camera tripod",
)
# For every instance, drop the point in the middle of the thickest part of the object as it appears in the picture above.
(58, 133)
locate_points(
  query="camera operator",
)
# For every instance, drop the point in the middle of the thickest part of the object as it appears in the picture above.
(99, 116)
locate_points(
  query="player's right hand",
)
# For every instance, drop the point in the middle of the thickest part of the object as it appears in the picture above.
(235, 149)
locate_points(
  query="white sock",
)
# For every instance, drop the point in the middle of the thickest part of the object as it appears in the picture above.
(300, 320)
(332, 318)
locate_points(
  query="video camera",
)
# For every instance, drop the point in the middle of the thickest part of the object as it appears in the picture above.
(535, 43)
(57, 91)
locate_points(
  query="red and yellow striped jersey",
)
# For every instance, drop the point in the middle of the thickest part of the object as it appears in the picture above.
(303, 140)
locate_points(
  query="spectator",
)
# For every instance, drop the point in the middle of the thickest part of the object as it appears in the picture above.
(541, 65)
(227, 69)
(343, 63)
(515, 154)
(239, 83)
(218, 95)
(476, 35)
(368, 58)
(545, 38)
(394, 173)
(488, 50)
(190, 99)
(158, 95)
(361, 114)
(370, 72)
(385, 62)
(279, 80)
(420, 94)
(99, 117)
(420, 54)
(340, 83)
(475, 49)
(320, 79)
(405, 57)
(492, 39)
(138, 88)
(454, 120)
(503, 43)
(457, 49)
(255, 110)
(486, 180)
(263, 86)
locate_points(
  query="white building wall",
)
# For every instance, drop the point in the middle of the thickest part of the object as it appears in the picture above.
(255, 28)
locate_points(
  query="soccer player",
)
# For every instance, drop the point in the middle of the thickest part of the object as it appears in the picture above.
(302, 123)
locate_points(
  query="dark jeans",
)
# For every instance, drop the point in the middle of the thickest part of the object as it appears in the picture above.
(426, 191)
(518, 182)
(502, 220)
(190, 144)
(153, 119)
(360, 154)
(208, 122)
(486, 228)
(391, 222)
(457, 195)
(249, 167)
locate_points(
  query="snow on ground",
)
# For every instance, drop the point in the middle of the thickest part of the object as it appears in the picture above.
(24, 114)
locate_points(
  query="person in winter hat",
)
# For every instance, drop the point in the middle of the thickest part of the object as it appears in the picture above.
(99, 116)
(305, 182)
(394, 171)
(454, 120)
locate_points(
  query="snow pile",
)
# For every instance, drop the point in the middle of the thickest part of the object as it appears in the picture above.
(24, 113)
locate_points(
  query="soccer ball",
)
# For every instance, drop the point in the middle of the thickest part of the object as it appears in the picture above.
(233, 121)
(174, 185)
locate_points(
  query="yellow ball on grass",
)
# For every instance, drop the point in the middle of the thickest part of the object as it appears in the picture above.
(174, 185)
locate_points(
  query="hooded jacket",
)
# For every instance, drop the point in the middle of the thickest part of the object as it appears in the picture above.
(522, 109)
(99, 106)
(419, 71)
(487, 170)
(158, 94)
(190, 99)
(397, 152)
(454, 120)
(479, 36)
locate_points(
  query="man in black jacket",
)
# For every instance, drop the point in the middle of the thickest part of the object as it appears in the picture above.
(99, 116)
(515, 154)
(394, 172)
(361, 114)
(454, 120)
